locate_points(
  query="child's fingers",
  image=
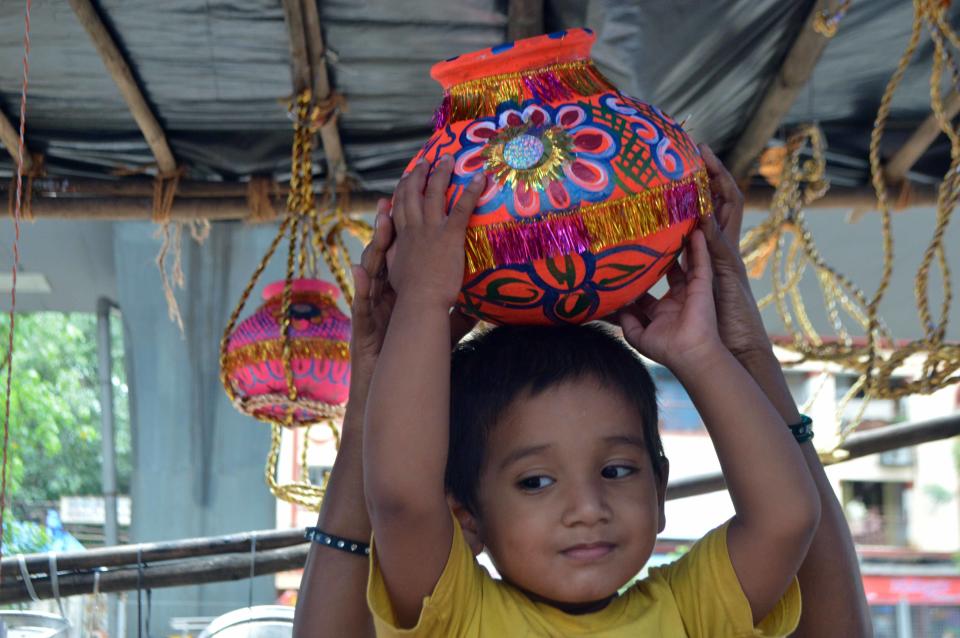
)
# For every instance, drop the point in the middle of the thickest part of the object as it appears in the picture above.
(467, 202)
(434, 201)
(413, 194)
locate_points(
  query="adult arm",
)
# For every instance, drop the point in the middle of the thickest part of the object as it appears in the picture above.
(332, 600)
(834, 604)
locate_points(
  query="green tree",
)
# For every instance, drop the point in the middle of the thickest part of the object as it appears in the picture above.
(54, 447)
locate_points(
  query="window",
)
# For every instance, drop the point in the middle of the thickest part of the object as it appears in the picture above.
(876, 511)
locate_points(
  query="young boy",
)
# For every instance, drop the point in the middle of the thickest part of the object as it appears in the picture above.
(560, 477)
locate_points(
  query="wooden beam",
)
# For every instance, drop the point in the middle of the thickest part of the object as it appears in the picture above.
(309, 63)
(131, 200)
(120, 72)
(142, 187)
(925, 134)
(780, 95)
(10, 136)
(862, 198)
(184, 208)
(524, 19)
(857, 445)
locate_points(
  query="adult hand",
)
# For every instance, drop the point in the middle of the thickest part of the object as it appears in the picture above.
(373, 301)
(739, 322)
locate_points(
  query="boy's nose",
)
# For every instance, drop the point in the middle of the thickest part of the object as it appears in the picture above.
(586, 504)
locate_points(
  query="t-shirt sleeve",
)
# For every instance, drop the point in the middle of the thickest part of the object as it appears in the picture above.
(711, 600)
(448, 610)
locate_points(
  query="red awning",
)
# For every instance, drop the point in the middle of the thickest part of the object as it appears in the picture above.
(916, 590)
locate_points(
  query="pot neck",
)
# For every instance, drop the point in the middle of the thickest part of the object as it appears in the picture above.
(530, 54)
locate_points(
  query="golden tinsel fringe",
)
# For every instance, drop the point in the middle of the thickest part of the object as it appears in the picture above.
(481, 97)
(260, 351)
(594, 226)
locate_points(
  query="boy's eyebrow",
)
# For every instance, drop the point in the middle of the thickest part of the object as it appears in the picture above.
(625, 439)
(521, 453)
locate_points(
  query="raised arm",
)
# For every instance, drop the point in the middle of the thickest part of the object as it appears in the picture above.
(332, 598)
(834, 604)
(406, 429)
(776, 503)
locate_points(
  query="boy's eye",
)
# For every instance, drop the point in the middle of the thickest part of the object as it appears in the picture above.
(617, 471)
(533, 483)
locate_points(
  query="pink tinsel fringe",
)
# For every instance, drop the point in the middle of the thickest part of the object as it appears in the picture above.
(524, 242)
(442, 115)
(563, 234)
(546, 87)
(682, 202)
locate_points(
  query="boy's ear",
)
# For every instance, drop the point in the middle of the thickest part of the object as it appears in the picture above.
(468, 523)
(662, 491)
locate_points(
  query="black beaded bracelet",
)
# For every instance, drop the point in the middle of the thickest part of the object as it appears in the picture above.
(803, 431)
(317, 535)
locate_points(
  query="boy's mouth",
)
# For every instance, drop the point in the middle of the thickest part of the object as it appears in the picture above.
(588, 551)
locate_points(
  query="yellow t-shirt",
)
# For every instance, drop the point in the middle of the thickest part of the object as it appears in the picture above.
(698, 595)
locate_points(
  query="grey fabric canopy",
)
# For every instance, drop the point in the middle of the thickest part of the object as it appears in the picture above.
(217, 74)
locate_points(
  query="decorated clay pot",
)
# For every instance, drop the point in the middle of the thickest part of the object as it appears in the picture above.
(589, 192)
(318, 352)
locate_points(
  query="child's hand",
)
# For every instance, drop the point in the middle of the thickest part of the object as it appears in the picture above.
(373, 303)
(679, 329)
(739, 322)
(429, 261)
(373, 300)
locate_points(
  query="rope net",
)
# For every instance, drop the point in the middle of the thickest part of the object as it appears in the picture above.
(784, 245)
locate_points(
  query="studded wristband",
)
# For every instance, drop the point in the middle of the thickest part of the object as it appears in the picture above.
(320, 537)
(803, 431)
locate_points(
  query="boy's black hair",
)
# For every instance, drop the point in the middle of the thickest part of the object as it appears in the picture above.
(489, 371)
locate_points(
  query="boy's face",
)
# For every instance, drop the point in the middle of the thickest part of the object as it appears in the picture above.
(569, 502)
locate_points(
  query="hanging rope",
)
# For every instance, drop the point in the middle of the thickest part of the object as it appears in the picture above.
(785, 245)
(312, 232)
(16, 262)
(171, 235)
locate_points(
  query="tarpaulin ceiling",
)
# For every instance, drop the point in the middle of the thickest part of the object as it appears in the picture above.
(217, 75)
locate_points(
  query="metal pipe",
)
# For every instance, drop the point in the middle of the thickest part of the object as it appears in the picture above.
(107, 439)
(858, 444)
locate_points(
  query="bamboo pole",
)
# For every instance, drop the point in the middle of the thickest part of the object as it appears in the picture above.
(790, 78)
(524, 19)
(122, 555)
(172, 574)
(320, 82)
(120, 71)
(921, 139)
(10, 137)
(857, 445)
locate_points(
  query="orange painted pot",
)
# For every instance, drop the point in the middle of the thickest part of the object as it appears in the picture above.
(589, 195)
